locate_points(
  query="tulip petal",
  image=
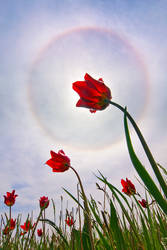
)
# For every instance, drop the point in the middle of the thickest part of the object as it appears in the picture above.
(99, 85)
(53, 154)
(51, 163)
(59, 170)
(59, 157)
(86, 92)
(90, 105)
(61, 152)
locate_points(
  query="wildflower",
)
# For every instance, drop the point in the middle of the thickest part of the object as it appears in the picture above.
(128, 187)
(43, 202)
(59, 162)
(94, 94)
(10, 226)
(9, 198)
(143, 203)
(6, 230)
(27, 226)
(69, 221)
(39, 232)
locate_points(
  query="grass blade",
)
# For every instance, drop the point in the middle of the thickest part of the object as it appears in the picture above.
(132, 224)
(73, 198)
(142, 171)
(58, 230)
(145, 147)
(114, 225)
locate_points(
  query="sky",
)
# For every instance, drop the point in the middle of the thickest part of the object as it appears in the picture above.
(45, 46)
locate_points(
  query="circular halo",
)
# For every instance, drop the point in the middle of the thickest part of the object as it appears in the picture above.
(65, 59)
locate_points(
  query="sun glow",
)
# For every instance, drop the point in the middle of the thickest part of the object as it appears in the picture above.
(66, 59)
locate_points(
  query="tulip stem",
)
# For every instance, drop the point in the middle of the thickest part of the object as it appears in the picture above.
(33, 231)
(44, 228)
(79, 211)
(146, 148)
(86, 208)
(10, 213)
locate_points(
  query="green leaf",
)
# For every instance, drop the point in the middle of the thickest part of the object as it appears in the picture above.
(85, 230)
(75, 234)
(145, 147)
(163, 169)
(97, 217)
(115, 189)
(103, 239)
(85, 233)
(161, 224)
(73, 198)
(122, 207)
(114, 225)
(58, 230)
(146, 178)
(147, 239)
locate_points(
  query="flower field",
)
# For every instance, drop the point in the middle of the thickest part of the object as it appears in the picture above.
(123, 220)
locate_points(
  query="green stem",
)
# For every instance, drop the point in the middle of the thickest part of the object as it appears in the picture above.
(44, 228)
(146, 148)
(10, 213)
(86, 208)
(79, 211)
(35, 226)
(9, 235)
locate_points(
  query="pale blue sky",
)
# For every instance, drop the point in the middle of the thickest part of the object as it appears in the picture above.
(38, 110)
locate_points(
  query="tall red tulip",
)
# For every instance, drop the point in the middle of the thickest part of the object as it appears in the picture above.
(94, 94)
(9, 198)
(43, 202)
(128, 187)
(59, 162)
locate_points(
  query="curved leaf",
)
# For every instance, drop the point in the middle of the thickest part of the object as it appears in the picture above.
(142, 171)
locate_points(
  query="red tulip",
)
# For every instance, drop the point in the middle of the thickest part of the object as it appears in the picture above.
(10, 226)
(94, 94)
(6, 230)
(44, 202)
(39, 232)
(27, 226)
(143, 203)
(69, 221)
(9, 198)
(128, 187)
(59, 162)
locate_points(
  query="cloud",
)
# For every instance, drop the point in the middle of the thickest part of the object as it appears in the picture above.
(38, 110)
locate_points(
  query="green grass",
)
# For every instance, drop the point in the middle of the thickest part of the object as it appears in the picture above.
(133, 227)
(119, 223)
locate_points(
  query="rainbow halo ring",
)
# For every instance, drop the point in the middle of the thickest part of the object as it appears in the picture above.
(65, 59)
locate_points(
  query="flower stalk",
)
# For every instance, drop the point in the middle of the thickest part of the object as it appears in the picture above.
(146, 148)
(79, 211)
(10, 213)
(34, 228)
(86, 208)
